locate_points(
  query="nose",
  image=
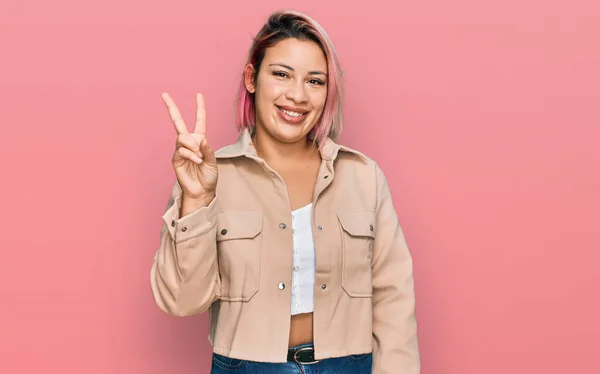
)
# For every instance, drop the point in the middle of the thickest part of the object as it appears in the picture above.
(297, 92)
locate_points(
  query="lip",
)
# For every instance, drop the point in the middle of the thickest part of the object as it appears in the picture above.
(290, 119)
(292, 109)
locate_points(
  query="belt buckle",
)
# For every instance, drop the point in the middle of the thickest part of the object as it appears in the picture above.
(303, 349)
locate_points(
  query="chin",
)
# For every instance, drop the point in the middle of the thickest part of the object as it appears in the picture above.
(287, 133)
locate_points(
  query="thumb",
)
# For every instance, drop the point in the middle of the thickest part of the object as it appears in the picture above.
(208, 154)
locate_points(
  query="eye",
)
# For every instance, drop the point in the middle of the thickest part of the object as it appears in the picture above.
(316, 81)
(281, 74)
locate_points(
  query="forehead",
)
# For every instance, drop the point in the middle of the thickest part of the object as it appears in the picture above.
(298, 54)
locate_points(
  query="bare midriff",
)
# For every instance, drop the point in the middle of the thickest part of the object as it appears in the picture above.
(301, 330)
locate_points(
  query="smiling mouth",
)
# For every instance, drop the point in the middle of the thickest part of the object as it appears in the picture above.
(291, 113)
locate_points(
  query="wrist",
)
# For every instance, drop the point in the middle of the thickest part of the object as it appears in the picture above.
(191, 204)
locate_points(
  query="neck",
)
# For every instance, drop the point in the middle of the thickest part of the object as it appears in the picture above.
(270, 149)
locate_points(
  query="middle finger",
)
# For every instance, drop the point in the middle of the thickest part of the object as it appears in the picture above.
(180, 126)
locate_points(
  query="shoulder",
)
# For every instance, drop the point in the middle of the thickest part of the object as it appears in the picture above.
(235, 149)
(359, 161)
(355, 156)
(229, 151)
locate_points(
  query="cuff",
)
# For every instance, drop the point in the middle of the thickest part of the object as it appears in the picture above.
(192, 225)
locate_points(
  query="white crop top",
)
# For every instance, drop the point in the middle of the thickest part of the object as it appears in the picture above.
(303, 266)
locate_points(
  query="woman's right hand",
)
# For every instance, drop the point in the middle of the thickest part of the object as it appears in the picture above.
(194, 160)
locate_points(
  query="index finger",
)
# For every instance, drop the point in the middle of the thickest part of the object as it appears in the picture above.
(180, 126)
(200, 115)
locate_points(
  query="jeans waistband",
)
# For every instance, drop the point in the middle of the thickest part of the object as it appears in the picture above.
(305, 345)
(302, 354)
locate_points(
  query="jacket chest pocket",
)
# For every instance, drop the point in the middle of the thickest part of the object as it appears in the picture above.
(358, 234)
(239, 243)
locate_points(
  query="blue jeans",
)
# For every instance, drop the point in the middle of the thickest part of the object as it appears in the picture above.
(353, 364)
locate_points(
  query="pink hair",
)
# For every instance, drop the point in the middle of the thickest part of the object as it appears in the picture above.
(286, 24)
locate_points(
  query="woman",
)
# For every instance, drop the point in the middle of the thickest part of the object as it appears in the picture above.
(289, 240)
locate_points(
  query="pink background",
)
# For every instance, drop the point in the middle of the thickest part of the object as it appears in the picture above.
(484, 115)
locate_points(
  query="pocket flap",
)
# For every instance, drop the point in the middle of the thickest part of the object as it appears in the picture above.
(238, 224)
(358, 222)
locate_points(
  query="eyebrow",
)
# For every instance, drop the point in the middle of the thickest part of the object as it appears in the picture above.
(292, 69)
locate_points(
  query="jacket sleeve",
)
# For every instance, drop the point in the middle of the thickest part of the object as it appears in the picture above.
(184, 277)
(395, 343)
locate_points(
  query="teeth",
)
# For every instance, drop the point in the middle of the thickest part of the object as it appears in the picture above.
(293, 114)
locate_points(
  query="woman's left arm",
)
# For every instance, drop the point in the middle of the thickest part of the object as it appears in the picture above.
(395, 342)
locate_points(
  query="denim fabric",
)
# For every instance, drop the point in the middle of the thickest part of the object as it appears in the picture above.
(353, 364)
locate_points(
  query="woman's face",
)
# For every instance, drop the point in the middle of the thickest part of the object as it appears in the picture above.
(290, 90)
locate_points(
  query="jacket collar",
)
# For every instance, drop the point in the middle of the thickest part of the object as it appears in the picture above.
(244, 147)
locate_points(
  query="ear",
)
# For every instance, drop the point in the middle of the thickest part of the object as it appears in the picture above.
(249, 78)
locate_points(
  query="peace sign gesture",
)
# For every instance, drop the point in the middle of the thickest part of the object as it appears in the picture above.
(193, 160)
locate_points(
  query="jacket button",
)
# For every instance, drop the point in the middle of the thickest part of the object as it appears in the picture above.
(173, 223)
(371, 227)
(224, 231)
(281, 286)
(184, 229)
(282, 226)
(323, 286)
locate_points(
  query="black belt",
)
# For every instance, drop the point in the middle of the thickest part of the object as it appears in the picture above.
(303, 355)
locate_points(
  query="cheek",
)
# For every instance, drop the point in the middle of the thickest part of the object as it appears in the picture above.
(269, 91)
(319, 100)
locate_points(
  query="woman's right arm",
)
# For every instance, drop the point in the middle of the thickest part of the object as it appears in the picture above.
(185, 276)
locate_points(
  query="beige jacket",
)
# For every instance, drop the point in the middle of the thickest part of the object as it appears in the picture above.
(234, 259)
